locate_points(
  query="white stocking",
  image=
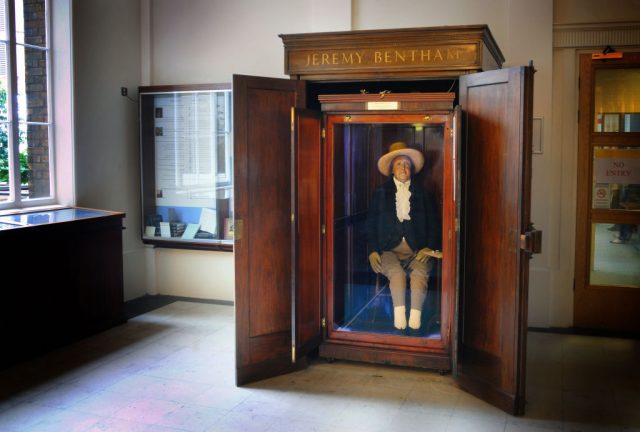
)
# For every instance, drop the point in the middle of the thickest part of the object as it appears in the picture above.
(414, 318)
(400, 317)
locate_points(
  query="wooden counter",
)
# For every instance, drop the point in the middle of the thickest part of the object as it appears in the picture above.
(67, 268)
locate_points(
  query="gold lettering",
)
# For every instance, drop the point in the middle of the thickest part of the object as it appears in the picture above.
(390, 56)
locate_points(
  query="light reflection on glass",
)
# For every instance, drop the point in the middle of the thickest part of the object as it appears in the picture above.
(617, 100)
(615, 255)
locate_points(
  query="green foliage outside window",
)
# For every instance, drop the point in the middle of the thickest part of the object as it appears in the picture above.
(4, 146)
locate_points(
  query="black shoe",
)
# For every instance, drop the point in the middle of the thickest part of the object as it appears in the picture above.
(414, 332)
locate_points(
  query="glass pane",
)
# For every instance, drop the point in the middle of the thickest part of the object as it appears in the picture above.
(3, 20)
(31, 22)
(616, 178)
(32, 84)
(363, 301)
(34, 161)
(617, 92)
(4, 81)
(4, 159)
(615, 258)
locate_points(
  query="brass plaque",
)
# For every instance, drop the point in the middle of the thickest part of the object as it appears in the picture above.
(419, 56)
(386, 105)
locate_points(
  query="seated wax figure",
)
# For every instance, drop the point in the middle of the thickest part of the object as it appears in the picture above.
(402, 232)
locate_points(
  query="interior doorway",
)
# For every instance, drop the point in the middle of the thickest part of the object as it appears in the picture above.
(607, 272)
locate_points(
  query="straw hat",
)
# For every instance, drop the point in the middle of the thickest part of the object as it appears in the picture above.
(396, 149)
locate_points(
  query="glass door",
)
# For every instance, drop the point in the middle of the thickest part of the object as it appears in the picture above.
(607, 294)
(360, 303)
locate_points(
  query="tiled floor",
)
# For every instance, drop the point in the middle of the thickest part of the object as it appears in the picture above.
(172, 369)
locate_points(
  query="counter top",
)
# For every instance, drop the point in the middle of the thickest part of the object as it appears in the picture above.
(31, 218)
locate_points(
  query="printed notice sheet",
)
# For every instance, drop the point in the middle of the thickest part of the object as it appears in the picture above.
(185, 149)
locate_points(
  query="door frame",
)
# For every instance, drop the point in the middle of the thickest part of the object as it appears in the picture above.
(601, 307)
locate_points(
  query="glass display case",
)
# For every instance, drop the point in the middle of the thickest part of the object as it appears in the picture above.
(361, 303)
(186, 155)
(362, 299)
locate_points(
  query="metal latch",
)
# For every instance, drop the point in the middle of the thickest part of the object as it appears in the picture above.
(531, 240)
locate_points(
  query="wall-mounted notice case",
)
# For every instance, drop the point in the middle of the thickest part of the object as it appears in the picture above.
(186, 166)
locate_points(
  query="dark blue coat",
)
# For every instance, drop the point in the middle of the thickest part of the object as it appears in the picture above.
(384, 231)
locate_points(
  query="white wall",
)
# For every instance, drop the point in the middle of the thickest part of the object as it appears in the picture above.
(153, 42)
(107, 57)
(523, 31)
(591, 25)
(62, 99)
(210, 40)
(207, 41)
(202, 41)
(595, 11)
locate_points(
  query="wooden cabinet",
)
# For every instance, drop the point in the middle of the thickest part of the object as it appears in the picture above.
(67, 268)
(303, 181)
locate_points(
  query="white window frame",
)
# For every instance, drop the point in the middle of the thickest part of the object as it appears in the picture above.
(15, 199)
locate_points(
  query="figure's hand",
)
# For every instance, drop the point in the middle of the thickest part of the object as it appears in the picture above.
(375, 261)
(424, 253)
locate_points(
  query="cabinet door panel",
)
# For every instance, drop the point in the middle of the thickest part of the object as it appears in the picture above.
(307, 245)
(497, 108)
(262, 160)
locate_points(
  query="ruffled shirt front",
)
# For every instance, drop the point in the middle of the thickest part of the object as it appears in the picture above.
(403, 206)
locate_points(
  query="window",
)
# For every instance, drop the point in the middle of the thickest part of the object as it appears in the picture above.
(25, 117)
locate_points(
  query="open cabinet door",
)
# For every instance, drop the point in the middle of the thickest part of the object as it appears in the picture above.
(307, 232)
(496, 243)
(262, 212)
(457, 197)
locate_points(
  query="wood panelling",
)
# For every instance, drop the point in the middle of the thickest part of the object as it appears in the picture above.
(493, 292)
(263, 267)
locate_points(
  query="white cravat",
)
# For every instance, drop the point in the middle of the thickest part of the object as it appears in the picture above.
(402, 200)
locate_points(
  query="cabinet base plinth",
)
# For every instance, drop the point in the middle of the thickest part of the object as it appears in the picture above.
(388, 356)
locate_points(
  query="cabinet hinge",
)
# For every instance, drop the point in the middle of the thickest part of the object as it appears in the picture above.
(324, 323)
(451, 132)
(323, 133)
(293, 217)
(293, 353)
(238, 228)
(457, 225)
(293, 118)
(323, 229)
